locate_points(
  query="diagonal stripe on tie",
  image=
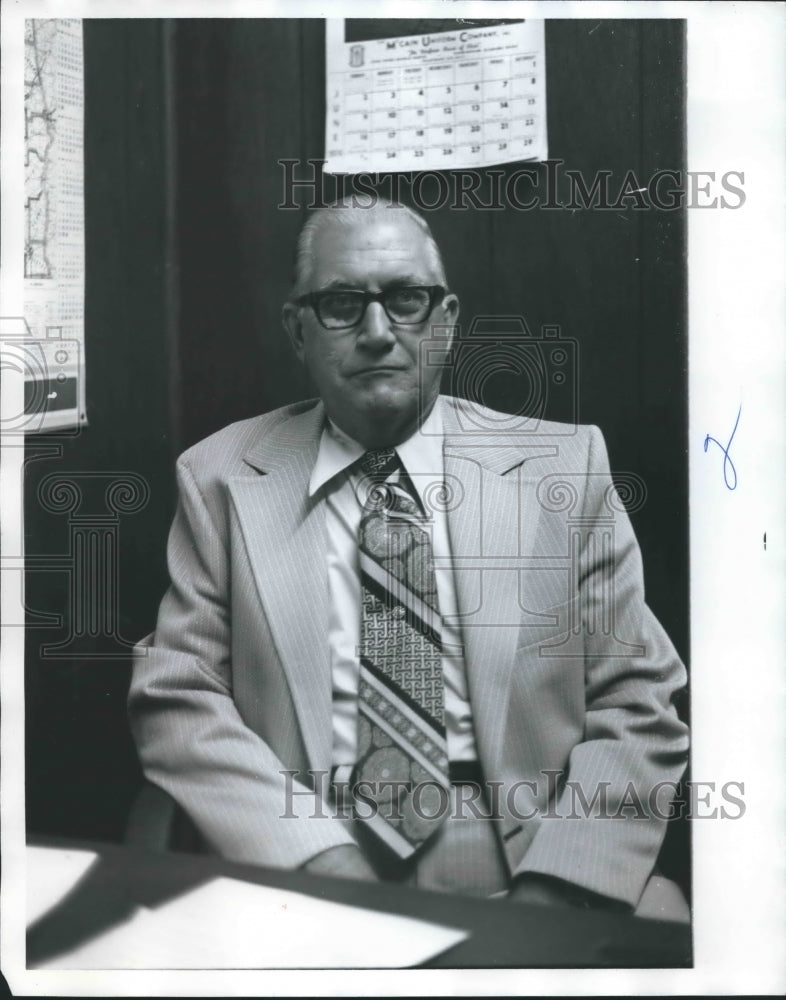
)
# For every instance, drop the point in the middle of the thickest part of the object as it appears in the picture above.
(407, 701)
(399, 604)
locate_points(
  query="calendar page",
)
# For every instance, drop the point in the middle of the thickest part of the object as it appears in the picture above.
(459, 94)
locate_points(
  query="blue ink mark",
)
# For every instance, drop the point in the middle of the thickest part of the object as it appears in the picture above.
(728, 465)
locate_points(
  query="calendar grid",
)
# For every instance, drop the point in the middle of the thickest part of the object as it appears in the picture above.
(473, 110)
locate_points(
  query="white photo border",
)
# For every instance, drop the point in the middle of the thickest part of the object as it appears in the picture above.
(736, 81)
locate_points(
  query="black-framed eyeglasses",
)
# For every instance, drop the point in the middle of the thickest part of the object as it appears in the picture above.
(342, 308)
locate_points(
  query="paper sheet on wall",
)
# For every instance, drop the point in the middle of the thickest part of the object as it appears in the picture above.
(51, 340)
(459, 95)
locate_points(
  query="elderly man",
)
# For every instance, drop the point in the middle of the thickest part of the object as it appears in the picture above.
(389, 650)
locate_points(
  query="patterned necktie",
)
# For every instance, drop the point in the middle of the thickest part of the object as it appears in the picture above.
(401, 716)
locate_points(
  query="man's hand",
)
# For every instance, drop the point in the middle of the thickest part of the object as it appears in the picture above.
(344, 861)
(546, 891)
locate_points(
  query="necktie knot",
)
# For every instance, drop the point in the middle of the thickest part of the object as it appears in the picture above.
(380, 461)
(385, 488)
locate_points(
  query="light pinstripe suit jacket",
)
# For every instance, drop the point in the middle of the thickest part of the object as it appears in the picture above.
(234, 685)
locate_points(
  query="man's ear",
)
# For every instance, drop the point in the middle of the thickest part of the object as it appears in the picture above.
(290, 317)
(450, 309)
(450, 305)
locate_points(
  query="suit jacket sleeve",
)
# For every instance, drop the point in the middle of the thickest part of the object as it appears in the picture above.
(190, 736)
(634, 746)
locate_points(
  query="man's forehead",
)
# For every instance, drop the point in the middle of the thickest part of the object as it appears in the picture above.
(372, 249)
(373, 246)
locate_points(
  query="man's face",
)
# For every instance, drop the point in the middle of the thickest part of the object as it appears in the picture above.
(369, 375)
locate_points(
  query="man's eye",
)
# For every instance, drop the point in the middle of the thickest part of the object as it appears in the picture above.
(339, 301)
(404, 297)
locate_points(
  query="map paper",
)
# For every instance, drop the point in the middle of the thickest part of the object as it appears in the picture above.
(54, 265)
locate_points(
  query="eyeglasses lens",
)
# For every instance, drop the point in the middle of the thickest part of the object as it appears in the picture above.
(345, 308)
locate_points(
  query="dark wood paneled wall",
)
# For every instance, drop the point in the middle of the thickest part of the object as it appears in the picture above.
(81, 765)
(188, 262)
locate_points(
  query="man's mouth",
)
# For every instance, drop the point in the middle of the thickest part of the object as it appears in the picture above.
(379, 370)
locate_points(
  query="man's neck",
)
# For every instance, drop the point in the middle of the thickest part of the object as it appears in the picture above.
(383, 434)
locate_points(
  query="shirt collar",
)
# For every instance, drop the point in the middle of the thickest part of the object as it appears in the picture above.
(337, 451)
(421, 454)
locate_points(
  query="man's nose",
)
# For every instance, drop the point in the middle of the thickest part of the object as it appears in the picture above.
(375, 328)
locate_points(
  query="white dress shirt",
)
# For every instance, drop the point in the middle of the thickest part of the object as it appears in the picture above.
(421, 456)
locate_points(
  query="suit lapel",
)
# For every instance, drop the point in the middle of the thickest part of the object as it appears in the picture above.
(284, 534)
(495, 522)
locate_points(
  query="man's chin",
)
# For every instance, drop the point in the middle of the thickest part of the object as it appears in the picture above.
(379, 419)
(383, 410)
(385, 397)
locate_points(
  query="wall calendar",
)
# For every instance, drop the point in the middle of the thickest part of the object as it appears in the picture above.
(457, 94)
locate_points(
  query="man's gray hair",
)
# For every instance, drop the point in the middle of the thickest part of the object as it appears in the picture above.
(345, 212)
